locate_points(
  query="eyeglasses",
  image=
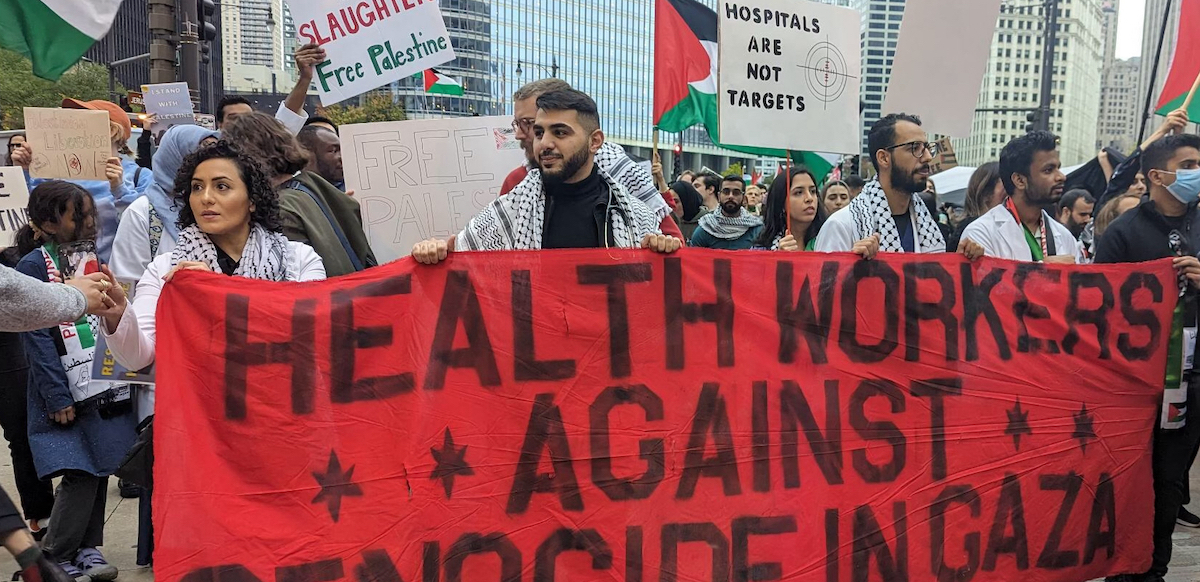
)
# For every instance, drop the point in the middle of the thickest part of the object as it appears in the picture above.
(523, 124)
(13, 146)
(917, 148)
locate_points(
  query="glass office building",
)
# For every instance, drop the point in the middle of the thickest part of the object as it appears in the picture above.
(470, 25)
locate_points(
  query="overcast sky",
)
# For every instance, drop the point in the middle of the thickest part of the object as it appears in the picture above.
(1129, 28)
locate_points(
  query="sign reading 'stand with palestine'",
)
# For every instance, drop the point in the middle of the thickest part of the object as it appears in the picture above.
(371, 44)
(789, 73)
(623, 415)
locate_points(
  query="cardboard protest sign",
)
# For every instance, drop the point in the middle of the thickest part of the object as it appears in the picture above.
(424, 178)
(171, 103)
(368, 45)
(14, 203)
(789, 75)
(136, 103)
(623, 415)
(72, 144)
(922, 56)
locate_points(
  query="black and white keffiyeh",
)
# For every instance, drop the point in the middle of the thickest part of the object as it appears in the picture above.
(516, 220)
(637, 181)
(872, 215)
(729, 227)
(265, 256)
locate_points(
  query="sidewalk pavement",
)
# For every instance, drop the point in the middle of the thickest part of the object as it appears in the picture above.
(120, 535)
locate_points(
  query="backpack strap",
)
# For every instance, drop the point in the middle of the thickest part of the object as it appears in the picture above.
(156, 232)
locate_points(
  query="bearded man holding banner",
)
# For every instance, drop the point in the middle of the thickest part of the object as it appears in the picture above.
(570, 202)
(611, 158)
(901, 154)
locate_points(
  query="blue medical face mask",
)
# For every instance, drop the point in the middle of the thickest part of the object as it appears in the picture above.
(1186, 187)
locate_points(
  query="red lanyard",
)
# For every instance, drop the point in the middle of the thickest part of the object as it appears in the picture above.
(1012, 209)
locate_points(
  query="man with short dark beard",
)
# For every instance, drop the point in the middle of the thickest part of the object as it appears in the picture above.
(569, 202)
(1019, 229)
(732, 227)
(888, 207)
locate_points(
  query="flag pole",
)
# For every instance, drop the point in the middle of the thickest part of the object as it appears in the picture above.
(1188, 101)
(1147, 112)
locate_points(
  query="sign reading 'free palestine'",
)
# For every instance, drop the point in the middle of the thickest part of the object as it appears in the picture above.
(371, 44)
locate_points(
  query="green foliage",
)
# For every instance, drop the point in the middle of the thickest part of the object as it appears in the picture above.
(19, 88)
(373, 107)
(735, 170)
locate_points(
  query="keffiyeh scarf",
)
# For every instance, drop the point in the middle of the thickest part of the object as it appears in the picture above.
(265, 256)
(637, 181)
(729, 227)
(516, 221)
(872, 215)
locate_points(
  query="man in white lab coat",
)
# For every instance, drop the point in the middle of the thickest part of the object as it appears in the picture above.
(1019, 229)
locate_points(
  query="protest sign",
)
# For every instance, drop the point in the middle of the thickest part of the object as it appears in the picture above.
(923, 57)
(171, 103)
(624, 415)
(106, 368)
(136, 103)
(14, 203)
(72, 144)
(368, 45)
(424, 178)
(789, 75)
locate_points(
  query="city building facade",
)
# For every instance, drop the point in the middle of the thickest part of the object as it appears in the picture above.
(471, 26)
(1150, 81)
(880, 32)
(1119, 105)
(1012, 81)
(252, 39)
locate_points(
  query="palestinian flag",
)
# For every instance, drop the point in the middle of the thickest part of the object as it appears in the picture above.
(54, 34)
(685, 77)
(438, 83)
(1185, 63)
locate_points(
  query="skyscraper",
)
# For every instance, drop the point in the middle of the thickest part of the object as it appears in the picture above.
(252, 39)
(471, 29)
(1014, 76)
(1119, 105)
(1152, 28)
(880, 32)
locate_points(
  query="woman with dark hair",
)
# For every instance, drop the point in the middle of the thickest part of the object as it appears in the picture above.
(985, 191)
(792, 227)
(79, 429)
(312, 210)
(688, 207)
(835, 197)
(229, 223)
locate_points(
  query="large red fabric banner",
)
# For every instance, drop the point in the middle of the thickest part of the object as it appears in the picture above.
(605, 415)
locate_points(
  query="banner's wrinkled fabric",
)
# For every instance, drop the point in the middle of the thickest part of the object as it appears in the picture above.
(628, 416)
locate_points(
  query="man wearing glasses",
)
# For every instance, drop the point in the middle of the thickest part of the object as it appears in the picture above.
(731, 228)
(885, 210)
(1019, 229)
(611, 158)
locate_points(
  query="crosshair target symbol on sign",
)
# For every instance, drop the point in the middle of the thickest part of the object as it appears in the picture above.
(825, 71)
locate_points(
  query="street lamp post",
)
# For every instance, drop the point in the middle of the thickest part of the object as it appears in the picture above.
(552, 69)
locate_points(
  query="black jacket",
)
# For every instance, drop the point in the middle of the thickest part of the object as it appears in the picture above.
(1142, 235)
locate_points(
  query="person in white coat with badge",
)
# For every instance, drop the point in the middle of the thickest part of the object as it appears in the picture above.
(1019, 229)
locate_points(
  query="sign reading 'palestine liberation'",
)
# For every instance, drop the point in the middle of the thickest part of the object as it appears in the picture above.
(370, 44)
(623, 415)
(789, 75)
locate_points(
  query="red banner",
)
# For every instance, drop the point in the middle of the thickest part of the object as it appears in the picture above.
(605, 415)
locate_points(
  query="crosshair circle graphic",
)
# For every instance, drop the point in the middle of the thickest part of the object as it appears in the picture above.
(825, 69)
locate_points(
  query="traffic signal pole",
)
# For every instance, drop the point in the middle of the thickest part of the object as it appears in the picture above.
(1051, 41)
(189, 48)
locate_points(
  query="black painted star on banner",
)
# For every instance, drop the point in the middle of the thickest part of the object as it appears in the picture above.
(451, 461)
(1018, 424)
(334, 485)
(1083, 427)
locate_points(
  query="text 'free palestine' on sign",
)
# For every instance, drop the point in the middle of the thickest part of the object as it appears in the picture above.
(371, 44)
(793, 66)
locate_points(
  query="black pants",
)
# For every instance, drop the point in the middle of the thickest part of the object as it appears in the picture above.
(78, 518)
(10, 519)
(1172, 456)
(37, 495)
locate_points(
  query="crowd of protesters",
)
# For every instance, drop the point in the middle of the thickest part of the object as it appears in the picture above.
(264, 198)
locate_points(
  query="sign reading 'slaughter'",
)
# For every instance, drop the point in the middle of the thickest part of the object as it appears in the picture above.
(370, 44)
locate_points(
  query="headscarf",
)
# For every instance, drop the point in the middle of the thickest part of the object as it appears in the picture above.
(689, 197)
(179, 142)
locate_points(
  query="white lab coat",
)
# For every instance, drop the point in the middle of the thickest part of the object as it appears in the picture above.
(1003, 237)
(132, 343)
(839, 234)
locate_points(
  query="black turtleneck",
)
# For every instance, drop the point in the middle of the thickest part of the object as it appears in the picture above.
(575, 213)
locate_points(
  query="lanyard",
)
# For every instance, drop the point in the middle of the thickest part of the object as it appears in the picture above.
(1036, 248)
